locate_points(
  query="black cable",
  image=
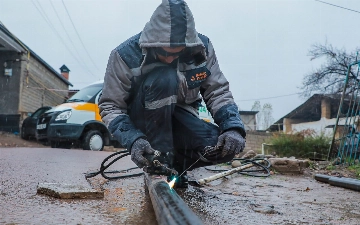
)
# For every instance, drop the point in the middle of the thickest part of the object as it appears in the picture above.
(78, 35)
(264, 168)
(337, 6)
(103, 167)
(256, 99)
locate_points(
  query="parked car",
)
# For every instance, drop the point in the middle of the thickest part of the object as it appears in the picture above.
(28, 128)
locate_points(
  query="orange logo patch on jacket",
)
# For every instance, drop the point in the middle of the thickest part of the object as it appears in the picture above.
(195, 77)
(199, 76)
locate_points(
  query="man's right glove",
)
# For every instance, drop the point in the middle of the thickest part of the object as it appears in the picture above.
(138, 149)
(231, 142)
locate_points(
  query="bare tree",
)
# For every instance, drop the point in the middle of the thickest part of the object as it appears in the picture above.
(267, 115)
(257, 107)
(329, 78)
(264, 116)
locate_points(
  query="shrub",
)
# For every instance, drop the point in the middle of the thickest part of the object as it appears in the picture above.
(355, 169)
(303, 144)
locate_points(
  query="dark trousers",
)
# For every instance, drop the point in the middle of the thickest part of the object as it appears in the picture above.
(170, 128)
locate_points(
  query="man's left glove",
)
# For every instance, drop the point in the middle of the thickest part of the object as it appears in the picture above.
(231, 142)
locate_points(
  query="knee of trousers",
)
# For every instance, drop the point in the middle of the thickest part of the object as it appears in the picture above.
(162, 82)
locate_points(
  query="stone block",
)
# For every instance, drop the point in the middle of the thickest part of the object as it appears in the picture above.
(286, 165)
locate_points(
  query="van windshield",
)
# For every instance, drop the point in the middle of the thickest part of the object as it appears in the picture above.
(86, 94)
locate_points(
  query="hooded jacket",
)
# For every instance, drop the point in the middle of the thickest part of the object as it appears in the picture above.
(171, 25)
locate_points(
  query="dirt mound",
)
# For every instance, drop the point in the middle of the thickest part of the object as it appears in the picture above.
(14, 140)
(10, 140)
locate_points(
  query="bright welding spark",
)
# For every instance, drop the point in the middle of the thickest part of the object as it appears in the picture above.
(172, 183)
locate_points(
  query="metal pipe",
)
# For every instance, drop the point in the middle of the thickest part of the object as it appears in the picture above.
(263, 147)
(348, 183)
(226, 173)
(169, 208)
(322, 178)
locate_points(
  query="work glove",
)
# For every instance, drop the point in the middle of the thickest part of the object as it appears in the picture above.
(138, 149)
(231, 142)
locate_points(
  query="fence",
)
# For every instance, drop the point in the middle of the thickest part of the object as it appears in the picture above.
(9, 123)
(346, 148)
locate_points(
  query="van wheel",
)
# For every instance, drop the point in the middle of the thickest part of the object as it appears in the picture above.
(93, 140)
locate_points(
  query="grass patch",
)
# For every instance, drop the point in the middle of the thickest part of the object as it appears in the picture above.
(304, 144)
(330, 167)
(355, 169)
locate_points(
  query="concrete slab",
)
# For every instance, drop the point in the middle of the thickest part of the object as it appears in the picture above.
(68, 191)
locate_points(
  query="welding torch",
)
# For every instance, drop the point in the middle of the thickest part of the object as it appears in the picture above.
(158, 164)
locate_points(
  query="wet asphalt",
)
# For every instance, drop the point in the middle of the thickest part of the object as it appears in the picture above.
(235, 199)
(22, 169)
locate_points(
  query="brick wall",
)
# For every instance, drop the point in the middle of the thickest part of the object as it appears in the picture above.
(254, 139)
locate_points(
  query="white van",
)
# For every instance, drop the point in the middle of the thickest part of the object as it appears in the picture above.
(77, 122)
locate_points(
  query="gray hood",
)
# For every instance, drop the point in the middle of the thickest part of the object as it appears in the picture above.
(171, 25)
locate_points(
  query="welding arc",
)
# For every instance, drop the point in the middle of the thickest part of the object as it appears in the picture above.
(208, 150)
(264, 168)
(189, 167)
(103, 167)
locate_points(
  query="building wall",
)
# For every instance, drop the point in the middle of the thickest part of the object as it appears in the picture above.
(249, 122)
(317, 126)
(23, 92)
(36, 88)
(9, 86)
(255, 139)
(288, 123)
(320, 126)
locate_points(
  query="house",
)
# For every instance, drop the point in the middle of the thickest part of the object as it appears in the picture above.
(254, 138)
(319, 113)
(249, 119)
(27, 82)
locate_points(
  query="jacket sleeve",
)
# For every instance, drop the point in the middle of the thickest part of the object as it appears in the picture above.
(228, 118)
(112, 104)
(218, 97)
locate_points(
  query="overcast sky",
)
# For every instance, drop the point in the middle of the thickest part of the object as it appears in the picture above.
(262, 45)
